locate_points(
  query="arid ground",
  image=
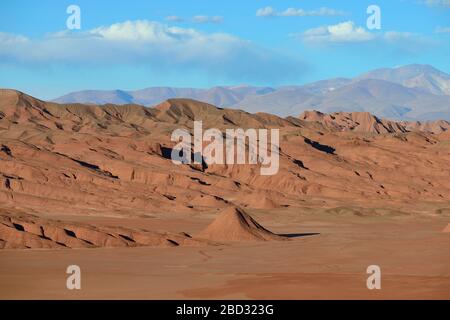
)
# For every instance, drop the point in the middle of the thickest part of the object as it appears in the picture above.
(94, 186)
(412, 253)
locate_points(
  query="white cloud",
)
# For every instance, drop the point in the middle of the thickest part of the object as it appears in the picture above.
(341, 32)
(265, 12)
(293, 12)
(347, 32)
(143, 31)
(207, 19)
(157, 46)
(174, 19)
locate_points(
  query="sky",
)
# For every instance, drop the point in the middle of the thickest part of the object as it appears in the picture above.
(135, 44)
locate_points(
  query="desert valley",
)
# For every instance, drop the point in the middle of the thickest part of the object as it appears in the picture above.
(94, 185)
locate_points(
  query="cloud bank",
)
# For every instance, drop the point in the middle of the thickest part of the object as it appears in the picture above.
(349, 32)
(341, 32)
(157, 46)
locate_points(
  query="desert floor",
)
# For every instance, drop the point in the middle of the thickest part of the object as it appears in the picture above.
(326, 258)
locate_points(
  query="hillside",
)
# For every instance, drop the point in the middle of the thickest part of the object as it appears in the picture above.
(115, 160)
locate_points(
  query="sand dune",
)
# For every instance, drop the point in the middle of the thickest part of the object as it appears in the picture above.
(234, 224)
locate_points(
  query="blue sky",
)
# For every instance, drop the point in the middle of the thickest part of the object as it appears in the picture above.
(136, 44)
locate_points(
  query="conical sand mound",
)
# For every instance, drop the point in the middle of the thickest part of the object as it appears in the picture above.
(447, 228)
(233, 224)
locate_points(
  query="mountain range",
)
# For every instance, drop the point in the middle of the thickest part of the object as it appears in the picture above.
(411, 92)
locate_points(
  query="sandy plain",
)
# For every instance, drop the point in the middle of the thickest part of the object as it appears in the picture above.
(326, 258)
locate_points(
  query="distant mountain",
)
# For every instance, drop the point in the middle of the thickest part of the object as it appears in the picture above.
(418, 76)
(96, 97)
(382, 98)
(412, 92)
(321, 86)
(220, 96)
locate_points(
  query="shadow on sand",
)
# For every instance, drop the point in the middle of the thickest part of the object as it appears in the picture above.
(297, 235)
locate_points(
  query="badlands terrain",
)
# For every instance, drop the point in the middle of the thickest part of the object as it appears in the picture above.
(94, 185)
